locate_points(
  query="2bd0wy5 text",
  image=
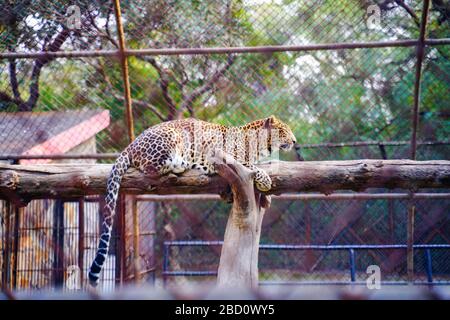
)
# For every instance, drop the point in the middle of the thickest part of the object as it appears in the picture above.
(225, 309)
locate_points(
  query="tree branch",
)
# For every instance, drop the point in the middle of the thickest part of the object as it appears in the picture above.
(53, 181)
(145, 105)
(107, 34)
(37, 67)
(408, 9)
(236, 175)
(13, 79)
(139, 103)
(4, 97)
(187, 103)
(164, 85)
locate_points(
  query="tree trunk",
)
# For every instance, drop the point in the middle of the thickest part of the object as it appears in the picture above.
(238, 264)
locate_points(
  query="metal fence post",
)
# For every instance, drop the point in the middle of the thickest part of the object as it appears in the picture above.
(15, 262)
(7, 248)
(81, 238)
(429, 265)
(58, 241)
(121, 243)
(165, 262)
(309, 255)
(136, 232)
(124, 66)
(420, 53)
(352, 265)
(410, 241)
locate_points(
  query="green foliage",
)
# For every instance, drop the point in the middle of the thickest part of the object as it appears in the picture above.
(326, 96)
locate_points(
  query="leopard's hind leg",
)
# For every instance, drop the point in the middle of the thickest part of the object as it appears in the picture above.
(157, 157)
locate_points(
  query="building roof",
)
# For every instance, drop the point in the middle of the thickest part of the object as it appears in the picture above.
(47, 133)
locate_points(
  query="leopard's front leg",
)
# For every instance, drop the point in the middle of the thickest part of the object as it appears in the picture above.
(262, 180)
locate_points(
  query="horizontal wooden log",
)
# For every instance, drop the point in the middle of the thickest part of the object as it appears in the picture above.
(22, 183)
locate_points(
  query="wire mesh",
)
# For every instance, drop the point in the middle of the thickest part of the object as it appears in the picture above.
(315, 224)
(75, 106)
(44, 249)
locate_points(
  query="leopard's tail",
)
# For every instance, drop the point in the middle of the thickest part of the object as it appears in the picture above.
(121, 165)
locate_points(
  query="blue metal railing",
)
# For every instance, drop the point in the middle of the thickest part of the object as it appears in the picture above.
(350, 248)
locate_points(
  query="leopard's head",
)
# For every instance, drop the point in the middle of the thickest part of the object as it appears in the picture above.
(286, 138)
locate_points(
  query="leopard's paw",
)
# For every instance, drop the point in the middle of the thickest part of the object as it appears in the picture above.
(263, 181)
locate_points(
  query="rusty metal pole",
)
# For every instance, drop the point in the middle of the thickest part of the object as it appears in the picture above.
(309, 255)
(420, 53)
(15, 262)
(222, 50)
(130, 126)
(7, 242)
(121, 230)
(81, 239)
(123, 240)
(135, 240)
(124, 66)
(410, 241)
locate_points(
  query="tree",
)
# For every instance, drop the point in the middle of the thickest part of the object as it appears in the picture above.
(333, 96)
(31, 25)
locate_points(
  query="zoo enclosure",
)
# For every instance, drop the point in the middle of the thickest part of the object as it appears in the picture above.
(297, 245)
(325, 150)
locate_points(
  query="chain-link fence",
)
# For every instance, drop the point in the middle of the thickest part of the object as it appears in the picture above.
(346, 77)
(313, 239)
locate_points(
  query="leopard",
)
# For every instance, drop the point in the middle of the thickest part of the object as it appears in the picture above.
(173, 147)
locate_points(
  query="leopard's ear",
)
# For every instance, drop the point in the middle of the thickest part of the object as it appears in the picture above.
(269, 122)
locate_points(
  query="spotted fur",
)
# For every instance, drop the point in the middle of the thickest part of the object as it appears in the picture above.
(178, 145)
